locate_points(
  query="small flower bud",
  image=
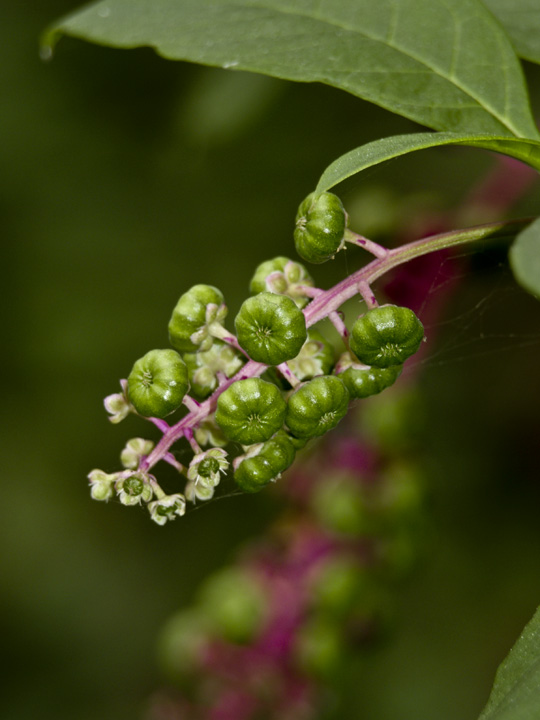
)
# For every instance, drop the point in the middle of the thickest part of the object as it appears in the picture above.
(134, 450)
(117, 404)
(101, 485)
(196, 491)
(167, 508)
(208, 433)
(315, 358)
(205, 367)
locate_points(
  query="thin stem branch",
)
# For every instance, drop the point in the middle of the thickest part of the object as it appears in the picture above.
(374, 248)
(366, 292)
(169, 458)
(337, 321)
(160, 424)
(308, 291)
(218, 331)
(188, 433)
(288, 374)
(190, 403)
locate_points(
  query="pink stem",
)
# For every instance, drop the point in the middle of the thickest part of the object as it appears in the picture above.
(367, 294)
(288, 374)
(374, 248)
(337, 321)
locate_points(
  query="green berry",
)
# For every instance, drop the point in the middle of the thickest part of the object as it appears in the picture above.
(320, 227)
(339, 506)
(182, 642)
(273, 458)
(157, 383)
(338, 584)
(250, 411)
(319, 647)
(270, 328)
(386, 336)
(234, 603)
(317, 406)
(189, 317)
(363, 382)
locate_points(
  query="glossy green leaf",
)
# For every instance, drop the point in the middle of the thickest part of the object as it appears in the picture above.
(447, 64)
(366, 156)
(525, 260)
(521, 20)
(516, 690)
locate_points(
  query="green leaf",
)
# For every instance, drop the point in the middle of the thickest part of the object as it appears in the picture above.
(380, 151)
(525, 264)
(521, 20)
(447, 64)
(516, 691)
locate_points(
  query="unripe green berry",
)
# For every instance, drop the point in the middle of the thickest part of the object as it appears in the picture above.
(157, 383)
(182, 642)
(190, 316)
(250, 411)
(364, 382)
(206, 467)
(209, 466)
(270, 328)
(338, 584)
(134, 489)
(167, 508)
(386, 336)
(234, 604)
(339, 506)
(317, 406)
(319, 647)
(320, 227)
(273, 458)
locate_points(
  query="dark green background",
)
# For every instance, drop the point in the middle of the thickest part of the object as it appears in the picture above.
(124, 180)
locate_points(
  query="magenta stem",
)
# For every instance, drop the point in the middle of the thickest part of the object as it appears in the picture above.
(337, 321)
(368, 297)
(375, 249)
(288, 374)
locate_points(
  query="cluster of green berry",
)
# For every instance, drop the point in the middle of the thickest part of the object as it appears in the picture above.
(270, 387)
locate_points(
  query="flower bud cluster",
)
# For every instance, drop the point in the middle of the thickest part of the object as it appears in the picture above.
(133, 487)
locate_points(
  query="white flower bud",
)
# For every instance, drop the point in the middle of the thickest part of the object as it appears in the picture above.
(134, 450)
(101, 485)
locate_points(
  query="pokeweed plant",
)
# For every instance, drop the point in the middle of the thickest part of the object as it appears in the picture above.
(262, 393)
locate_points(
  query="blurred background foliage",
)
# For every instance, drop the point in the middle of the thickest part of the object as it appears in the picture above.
(126, 179)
